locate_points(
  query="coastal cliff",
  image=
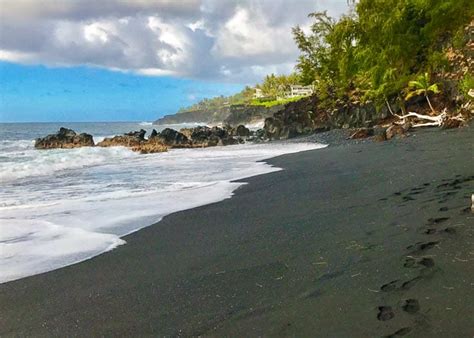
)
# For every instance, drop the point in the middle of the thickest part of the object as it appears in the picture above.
(232, 115)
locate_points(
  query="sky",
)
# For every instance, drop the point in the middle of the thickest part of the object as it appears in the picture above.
(137, 60)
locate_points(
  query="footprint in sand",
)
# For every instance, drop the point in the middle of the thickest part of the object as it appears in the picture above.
(402, 332)
(450, 231)
(427, 262)
(389, 286)
(385, 313)
(437, 220)
(411, 306)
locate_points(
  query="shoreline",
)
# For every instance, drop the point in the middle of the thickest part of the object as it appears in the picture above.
(292, 251)
(97, 227)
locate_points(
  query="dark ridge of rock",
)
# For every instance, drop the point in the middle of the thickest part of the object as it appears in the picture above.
(296, 118)
(64, 138)
(205, 116)
(247, 114)
(307, 116)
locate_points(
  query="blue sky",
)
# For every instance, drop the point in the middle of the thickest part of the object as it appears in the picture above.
(42, 94)
(116, 60)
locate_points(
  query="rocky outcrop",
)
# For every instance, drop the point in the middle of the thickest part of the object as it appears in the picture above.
(205, 116)
(198, 137)
(129, 140)
(171, 138)
(232, 115)
(136, 141)
(248, 114)
(203, 136)
(65, 138)
(150, 146)
(307, 116)
(297, 118)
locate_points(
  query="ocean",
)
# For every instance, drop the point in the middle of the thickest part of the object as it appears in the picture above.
(62, 206)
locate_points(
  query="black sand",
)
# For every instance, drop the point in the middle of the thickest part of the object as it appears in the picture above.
(359, 240)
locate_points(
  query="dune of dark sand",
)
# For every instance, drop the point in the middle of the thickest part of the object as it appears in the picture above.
(354, 240)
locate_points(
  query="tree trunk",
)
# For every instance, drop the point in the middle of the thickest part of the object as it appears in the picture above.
(402, 104)
(429, 103)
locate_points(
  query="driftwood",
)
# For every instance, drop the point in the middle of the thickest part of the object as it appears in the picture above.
(431, 121)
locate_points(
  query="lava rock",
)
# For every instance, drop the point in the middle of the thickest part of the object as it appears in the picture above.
(172, 138)
(65, 138)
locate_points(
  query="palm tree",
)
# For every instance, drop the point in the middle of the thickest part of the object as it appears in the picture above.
(422, 86)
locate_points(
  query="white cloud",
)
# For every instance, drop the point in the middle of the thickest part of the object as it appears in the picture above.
(227, 40)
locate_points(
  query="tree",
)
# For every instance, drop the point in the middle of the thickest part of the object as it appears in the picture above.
(422, 86)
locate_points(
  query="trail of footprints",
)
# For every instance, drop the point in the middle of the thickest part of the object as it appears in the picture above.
(415, 259)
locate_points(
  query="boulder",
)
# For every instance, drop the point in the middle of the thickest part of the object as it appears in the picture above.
(172, 138)
(204, 136)
(153, 133)
(241, 131)
(137, 134)
(397, 130)
(121, 140)
(452, 123)
(65, 138)
(362, 133)
(380, 133)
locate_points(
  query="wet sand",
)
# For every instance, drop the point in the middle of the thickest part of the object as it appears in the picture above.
(354, 240)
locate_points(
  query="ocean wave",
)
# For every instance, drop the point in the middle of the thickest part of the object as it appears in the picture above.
(29, 162)
(49, 220)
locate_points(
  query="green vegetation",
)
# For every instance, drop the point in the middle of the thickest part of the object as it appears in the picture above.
(274, 86)
(422, 86)
(215, 103)
(273, 102)
(380, 46)
(273, 89)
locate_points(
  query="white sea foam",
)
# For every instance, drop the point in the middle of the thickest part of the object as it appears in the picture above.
(60, 207)
(26, 162)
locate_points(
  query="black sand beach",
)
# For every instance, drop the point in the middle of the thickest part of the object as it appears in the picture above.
(355, 240)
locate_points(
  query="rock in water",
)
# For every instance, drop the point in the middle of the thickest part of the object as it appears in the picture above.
(153, 133)
(172, 138)
(137, 134)
(136, 141)
(150, 146)
(131, 139)
(208, 137)
(65, 138)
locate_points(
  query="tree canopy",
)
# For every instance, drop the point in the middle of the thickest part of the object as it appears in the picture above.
(380, 45)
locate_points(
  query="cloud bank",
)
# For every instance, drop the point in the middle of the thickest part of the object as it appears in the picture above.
(238, 41)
